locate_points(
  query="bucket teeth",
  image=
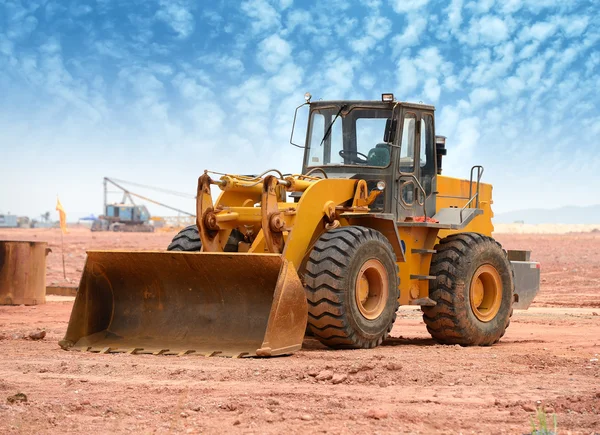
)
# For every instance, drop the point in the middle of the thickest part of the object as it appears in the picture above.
(213, 353)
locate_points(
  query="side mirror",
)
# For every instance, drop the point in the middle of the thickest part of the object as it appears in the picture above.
(294, 125)
(390, 130)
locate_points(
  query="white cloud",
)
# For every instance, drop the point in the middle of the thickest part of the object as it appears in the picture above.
(252, 96)
(407, 76)
(272, 52)
(300, 19)
(427, 68)
(538, 31)
(338, 76)
(529, 50)
(488, 30)
(177, 15)
(481, 96)
(190, 89)
(404, 6)
(430, 60)
(362, 45)
(513, 86)
(264, 16)
(451, 83)
(574, 26)
(284, 4)
(431, 91)
(374, 4)
(376, 28)
(481, 6)
(510, 6)
(590, 64)
(454, 12)
(367, 81)
(6, 46)
(411, 35)
(287, 79)
(493, 65)
(468, 133)
(224, 62)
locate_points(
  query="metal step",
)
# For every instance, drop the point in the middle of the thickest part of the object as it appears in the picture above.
(423, 251)
(424, 302)
(423, 277)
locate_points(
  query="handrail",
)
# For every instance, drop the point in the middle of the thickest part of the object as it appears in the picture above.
(403, 174)
(471, 196)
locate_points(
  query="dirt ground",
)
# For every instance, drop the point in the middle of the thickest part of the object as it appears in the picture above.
(548, 357)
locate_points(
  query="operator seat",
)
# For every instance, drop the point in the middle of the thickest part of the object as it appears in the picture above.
(379, 156)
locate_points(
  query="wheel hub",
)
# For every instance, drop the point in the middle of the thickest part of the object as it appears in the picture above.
(372, 288)
(485, 293)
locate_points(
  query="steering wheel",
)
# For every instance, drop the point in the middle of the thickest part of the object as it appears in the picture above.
(354, 156)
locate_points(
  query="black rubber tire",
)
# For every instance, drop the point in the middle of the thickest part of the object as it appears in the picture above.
(330, 277)
(452, 320)
(188, 240)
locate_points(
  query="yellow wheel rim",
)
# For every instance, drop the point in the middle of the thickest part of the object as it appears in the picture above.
(371, 289)
(485, 293)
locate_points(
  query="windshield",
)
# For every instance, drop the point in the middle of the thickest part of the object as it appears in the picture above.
(338, 137)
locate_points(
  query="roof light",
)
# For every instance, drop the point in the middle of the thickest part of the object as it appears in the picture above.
(307, 97)
(387, 98)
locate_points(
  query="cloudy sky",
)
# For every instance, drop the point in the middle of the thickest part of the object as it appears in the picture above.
(156, 91)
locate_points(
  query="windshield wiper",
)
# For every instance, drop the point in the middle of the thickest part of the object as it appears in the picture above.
(331, 125)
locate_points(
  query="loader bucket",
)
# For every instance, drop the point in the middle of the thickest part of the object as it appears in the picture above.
(188, 302)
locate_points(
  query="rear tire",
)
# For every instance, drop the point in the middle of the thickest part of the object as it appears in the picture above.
(474, 291)
(352, 288)
(188, 240)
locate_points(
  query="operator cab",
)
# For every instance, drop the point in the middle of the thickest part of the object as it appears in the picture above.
(386, 140)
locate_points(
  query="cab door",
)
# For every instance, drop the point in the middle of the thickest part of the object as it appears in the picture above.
(407, 171)
(416, 166)
(427, 166)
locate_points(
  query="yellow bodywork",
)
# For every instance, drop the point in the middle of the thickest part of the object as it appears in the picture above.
(454, 192)
(308, 219)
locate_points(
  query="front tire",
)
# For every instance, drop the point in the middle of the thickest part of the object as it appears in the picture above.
(352, 288)
(187, 240)
(474, 291)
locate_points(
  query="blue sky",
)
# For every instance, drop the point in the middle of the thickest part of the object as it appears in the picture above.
(157, 91)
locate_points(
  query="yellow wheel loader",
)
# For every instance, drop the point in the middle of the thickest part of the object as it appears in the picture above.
(369, 224)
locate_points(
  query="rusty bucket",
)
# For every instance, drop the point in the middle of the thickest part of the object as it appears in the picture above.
(188, 302)
(23, 273)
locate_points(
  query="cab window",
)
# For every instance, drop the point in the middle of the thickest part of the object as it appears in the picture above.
(407, 146)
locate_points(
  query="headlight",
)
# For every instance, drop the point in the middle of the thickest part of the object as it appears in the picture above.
(381, 185)
(387, 98)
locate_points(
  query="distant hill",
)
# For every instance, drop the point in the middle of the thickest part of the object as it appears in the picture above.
(562, 215)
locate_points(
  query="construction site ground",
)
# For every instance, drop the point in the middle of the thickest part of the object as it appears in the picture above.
(548, 359)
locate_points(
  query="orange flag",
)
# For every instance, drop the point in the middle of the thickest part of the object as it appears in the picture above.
(63, 216)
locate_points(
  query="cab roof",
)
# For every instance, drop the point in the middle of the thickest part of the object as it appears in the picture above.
(372, 103)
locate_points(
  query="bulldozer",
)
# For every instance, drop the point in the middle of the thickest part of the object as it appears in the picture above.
(368, 225)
